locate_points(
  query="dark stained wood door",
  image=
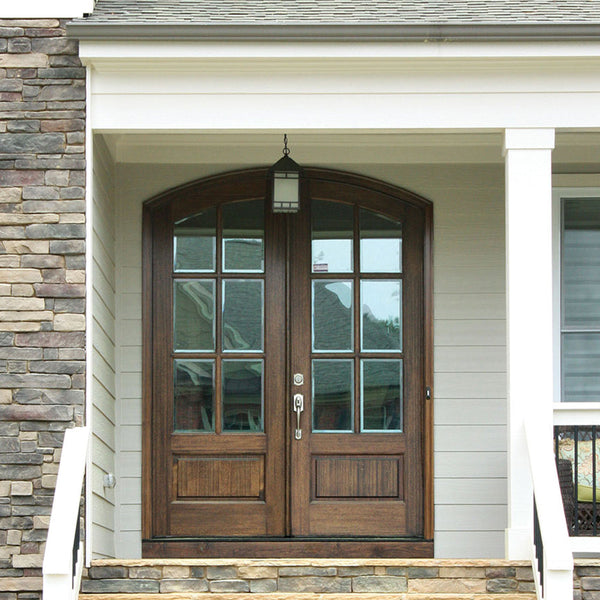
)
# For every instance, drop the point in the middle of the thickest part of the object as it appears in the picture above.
(250, 316)
(357, 338)
(217, 361)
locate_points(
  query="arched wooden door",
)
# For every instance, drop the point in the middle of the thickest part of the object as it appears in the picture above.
(286, 370)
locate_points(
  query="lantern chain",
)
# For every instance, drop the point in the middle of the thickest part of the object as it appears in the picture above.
(286, 150)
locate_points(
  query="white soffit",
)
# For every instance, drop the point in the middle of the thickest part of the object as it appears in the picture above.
(329, 147)
(308, 148)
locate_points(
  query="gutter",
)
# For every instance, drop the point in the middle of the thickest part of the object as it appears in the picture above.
(132, 31)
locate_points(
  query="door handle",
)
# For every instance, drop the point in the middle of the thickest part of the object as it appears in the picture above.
(298, 407)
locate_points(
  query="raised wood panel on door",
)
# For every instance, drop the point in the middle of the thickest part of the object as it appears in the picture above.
(357, 477)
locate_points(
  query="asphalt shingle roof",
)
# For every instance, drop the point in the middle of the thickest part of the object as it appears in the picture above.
(346, 12)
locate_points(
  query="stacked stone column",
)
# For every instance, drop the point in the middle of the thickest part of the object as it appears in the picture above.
(42, 283)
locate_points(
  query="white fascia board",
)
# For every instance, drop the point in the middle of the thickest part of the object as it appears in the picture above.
(94, 50)
(208, 86)
(45, 9)
(381, 112)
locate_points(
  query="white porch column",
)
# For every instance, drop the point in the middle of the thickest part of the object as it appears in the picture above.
(528, 161)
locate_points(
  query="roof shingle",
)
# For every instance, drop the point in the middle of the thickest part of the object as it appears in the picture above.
(346, 12)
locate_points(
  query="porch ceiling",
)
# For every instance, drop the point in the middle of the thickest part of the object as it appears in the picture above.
(576, 151)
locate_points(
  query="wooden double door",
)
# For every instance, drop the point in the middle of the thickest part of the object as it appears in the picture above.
(285, 370)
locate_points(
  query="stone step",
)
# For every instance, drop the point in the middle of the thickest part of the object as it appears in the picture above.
(306, 596)
(283, 579)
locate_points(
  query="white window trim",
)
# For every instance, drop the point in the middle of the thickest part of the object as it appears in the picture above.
(588, 411)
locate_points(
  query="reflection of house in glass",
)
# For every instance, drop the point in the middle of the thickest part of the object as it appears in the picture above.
(194, 395)
(381, 379)
(332, 395)
(381, 315)
(381, 385)
(194, 313)
(242, 395)
(332, 315)
(194, 242)
(241, 317)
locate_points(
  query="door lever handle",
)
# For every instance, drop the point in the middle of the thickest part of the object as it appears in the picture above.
(298, 407)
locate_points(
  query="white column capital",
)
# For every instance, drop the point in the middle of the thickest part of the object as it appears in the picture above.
(528, 139)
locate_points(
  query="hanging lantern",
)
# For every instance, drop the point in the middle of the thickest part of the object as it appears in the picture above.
(286, 174)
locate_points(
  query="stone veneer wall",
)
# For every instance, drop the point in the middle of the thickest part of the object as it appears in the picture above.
(586, 579)
(317, 576)
(42, 283)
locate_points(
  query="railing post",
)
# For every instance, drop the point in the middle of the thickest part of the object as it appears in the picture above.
(61, 578)
(558, 584)
(552, 544)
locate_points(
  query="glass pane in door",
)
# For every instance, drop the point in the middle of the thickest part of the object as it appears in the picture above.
(194, 242)
(242, 395)
(194, 315)
(380, 243)
(243, 237)
(332, 315)
(194, 395)
(381, 395)
(332, 237)
(332, 395)
(242, 315)
(381, 303)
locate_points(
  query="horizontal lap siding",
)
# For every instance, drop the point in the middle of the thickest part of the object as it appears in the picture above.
(470, 367)
(469, 349)
(103, 415)
(129, 375)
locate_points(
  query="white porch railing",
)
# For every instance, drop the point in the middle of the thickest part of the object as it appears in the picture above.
(63, 560)
(551, 552)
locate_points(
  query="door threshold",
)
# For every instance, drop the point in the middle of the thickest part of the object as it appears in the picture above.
(286, 548)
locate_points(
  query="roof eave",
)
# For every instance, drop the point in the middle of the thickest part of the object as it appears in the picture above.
(133, 31)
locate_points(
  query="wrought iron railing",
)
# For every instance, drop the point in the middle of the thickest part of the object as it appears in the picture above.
(538, 544)
(75, 552)
(576, 450)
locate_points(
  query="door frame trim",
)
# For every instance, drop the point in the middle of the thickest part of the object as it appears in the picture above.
(156, 547)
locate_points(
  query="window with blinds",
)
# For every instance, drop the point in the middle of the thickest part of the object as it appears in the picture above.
(580, 299)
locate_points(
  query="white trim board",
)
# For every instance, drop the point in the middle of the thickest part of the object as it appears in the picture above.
(43, 9)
